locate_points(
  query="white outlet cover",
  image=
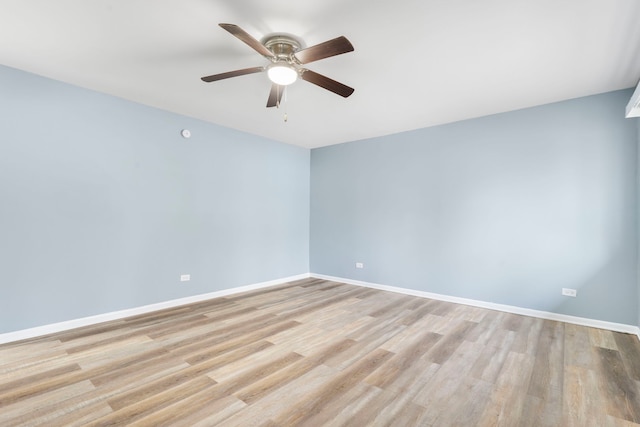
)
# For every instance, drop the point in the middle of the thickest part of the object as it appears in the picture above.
(359, 265)
(569, 292)
(185, 277)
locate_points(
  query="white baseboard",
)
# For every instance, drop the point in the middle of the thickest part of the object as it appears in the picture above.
(92, 320)
(600, 324)
(121, 314)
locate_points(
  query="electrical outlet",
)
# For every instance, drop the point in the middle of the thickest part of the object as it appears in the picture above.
(359, 265)
(569, 292)
(185, 277)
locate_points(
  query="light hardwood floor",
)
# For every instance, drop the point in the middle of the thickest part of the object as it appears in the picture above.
(318, 353)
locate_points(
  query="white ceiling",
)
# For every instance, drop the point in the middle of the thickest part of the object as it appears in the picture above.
(417, 63)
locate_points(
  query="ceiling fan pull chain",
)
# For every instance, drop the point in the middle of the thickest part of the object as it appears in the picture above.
(285, 104)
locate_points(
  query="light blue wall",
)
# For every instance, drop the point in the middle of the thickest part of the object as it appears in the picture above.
(507, 209)
(103, 204)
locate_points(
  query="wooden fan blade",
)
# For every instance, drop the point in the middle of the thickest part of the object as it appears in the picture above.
(275, 96)
(248, 39)
(229, 74)
(329, 48)
(326, 83)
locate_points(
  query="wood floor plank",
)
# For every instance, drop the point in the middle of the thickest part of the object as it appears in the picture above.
(407, 336)
(617, 422)
(209, 413)
(316, 352)
(362, 347)
(386, 409)
(157, 402)
(445, 347)
(489, 327)
(33, 385)
(411, 415)
(333, 389)
(466, 404)
(508, 397)
(577, 346)
(622, 394)
(261, 387)
(546, 386)
(195, 407)
(492, 356)
(14, 414)
(472, 314)
(629, 348)
(16, 370)
(255, 366)
(295, 395)
(581, 399)
(14, 356)
(403, 359)
(95, 398)
(526, 339)
(216, 356)
(344, 410)
(443, 386)
(232, 338)
(80, 416)
(602, 338)
(184, 342)
(180, 375)
(366, 404)
(418, 313)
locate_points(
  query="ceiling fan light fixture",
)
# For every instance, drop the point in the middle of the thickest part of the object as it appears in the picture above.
(282, 74)
(287, 55)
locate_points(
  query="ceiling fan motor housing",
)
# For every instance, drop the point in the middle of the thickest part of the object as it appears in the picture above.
(283, 46)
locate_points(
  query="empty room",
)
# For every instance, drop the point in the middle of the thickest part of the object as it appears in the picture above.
(420, 213)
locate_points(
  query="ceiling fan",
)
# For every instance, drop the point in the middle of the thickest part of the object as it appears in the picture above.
(287, 57)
